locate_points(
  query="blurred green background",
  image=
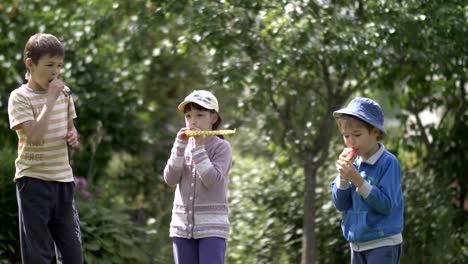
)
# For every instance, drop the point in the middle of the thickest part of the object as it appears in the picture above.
(279, 69)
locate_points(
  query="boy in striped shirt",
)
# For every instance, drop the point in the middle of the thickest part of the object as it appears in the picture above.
(42, 112)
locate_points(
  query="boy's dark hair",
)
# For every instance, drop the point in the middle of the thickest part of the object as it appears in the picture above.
(368, 126)
(218, 122)
(41, 44)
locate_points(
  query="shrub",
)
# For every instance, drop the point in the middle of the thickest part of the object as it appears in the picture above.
(9, 236)
(108, 234)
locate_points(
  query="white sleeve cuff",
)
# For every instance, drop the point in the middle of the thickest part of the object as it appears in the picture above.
(179, 147)
(197, 150)
(177, 161)
(341, 184)
(365, 189)
(204, 166)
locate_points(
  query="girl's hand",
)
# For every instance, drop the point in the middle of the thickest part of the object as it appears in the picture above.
(181, 134)
(200, 140)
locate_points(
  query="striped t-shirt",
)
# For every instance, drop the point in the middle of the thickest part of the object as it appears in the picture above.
(49, 159)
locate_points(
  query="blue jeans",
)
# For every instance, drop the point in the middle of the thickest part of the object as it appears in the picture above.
(380, 255)
(47, 217)
(209, 250)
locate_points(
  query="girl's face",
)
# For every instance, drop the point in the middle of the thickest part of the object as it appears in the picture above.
(357, 136)
(47, 68)
(200, 119)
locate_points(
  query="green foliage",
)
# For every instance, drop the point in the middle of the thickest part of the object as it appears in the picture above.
(429, 67)
(134, 181)
(438, 240)
(265, 211)
(108, 234)
(9, 237)
(137, 184)
(278, 68)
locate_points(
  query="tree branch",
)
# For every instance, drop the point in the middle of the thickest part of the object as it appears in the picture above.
(284, 116)
(421, 128)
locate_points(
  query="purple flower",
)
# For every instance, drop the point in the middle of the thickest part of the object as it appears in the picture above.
(81, 182)
(97, 191)
(85, 194)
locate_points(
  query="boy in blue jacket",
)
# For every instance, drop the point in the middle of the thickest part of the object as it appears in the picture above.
(368, 186)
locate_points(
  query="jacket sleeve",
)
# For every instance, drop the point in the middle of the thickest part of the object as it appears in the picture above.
(341, 197)
(174, 166)
(386, 194)
(215, 170)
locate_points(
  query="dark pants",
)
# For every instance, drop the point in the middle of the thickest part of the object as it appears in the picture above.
(47, 216)
(381, 255)
(208, 250)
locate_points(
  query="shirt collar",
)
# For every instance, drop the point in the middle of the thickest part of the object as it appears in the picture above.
(373, 159)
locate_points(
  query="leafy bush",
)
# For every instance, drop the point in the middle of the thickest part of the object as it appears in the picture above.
(265, 202)
(266, 212)
(137, 183)
(108, 234)
(430, 232)
(9, 237)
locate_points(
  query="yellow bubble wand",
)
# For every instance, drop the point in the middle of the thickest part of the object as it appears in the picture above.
(194, 133)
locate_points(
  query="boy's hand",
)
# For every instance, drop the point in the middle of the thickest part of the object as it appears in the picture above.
(56, 87)
(72, 137)
(348, 154)
(346, 168)
(349, 173)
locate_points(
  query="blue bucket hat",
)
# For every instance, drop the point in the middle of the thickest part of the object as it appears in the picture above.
(365, 109)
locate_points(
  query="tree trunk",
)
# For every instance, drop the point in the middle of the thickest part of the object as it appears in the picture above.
(314, 157)
(309, 245)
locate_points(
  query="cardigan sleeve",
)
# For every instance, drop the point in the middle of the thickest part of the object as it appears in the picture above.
(214, 170)
(174, 166)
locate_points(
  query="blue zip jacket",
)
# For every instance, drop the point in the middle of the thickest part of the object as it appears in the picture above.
(380, 214)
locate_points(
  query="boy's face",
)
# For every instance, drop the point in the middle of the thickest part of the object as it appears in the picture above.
(47, 68)
(200, 119)
(358, 136)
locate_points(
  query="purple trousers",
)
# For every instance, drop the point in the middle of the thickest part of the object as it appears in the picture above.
(209, 250)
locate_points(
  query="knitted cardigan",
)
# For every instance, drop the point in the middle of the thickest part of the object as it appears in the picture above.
(200, 175)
